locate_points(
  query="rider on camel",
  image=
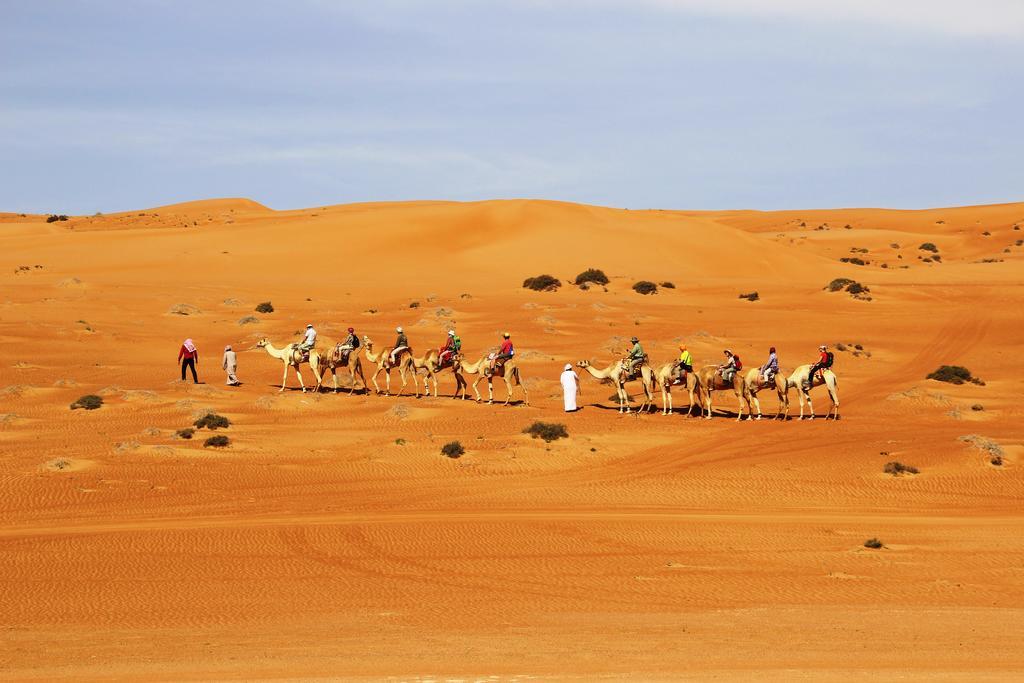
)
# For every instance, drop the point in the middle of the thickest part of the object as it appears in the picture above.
(504, 353)
(452, 345)
(824, 361)
(770, 368)
(635, 357)
(731, 366)
(401, 344)
(685, 363)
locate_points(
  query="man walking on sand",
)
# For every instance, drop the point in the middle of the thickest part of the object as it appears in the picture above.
(230, 365)
(570, 388)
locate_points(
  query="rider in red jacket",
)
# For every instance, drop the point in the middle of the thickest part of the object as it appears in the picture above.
(823, 362)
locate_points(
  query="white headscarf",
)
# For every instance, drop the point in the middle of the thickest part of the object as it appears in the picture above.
(568, 366)
(189, 346)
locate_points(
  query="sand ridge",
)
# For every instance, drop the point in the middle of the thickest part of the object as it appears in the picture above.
(332, 538)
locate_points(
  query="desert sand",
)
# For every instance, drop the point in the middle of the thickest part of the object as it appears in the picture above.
(332, 539)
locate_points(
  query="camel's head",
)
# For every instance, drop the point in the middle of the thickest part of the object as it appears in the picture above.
(262, 342)
(583, 364)
(367, 341)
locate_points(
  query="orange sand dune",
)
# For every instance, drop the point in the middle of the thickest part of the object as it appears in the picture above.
(332, 539)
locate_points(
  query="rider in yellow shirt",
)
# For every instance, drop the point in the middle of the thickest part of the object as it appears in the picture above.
(685, 363)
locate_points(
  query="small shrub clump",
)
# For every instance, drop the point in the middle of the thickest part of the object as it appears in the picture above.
(838, 284)
(896, 468)
(265, 307)
(88, 402)
(953, 374)
(452, 449)
(219, 441)
(928, 246)
(53, 218)
(977, 407)
(645, 287)
(855, 260)
(185, 433)
(591, 276)
(667, 285)
(549, 431)
(873, 543)
(752, 296)
(542, 283)
(212, 421)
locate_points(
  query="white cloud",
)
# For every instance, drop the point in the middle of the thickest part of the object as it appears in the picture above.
(966, 18)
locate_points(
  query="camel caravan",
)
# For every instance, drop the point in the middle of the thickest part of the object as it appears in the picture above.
(700, 384)
(349, 354)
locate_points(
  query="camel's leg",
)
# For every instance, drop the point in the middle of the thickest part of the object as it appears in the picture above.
(664, 400)
(299, 375)
(709, 400)
(476, 391)
(284, 380)
(519, 383)
(810, 406)
(387, 382)
(833, 394)
(757, 404)
(508, 390)
(490, 390)
(362, 378)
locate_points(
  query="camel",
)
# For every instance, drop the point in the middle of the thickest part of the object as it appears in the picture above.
(292, 357)
(755, 383)
(614, 374)
(664, 376)
(461, 367)
(508, 371)
(332, 361)
(383, 362)
(831, 383)
(709, 381)
(427, 363)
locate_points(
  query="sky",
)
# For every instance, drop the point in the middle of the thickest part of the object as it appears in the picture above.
(676, 104)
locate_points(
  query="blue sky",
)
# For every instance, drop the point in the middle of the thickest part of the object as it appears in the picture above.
(706, 104)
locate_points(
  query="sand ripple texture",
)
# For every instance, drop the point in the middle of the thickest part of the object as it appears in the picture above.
(332, 539)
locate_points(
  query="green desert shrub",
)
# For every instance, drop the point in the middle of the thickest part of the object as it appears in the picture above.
(894, 468)
(929, 246)
(88, 402)
(645, 287)
(838, 284)
(953, 374)
(591, 276)
(452, 449)
(265, 307)
(542, 283)
(212, 421)
(549, 431)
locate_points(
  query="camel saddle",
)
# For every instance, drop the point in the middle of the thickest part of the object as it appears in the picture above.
(720, 383)
(498, 370)
(398, 358)
(300, 356)
(340, 356)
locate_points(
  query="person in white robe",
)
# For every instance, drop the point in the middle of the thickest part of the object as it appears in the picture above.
(570, 388)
